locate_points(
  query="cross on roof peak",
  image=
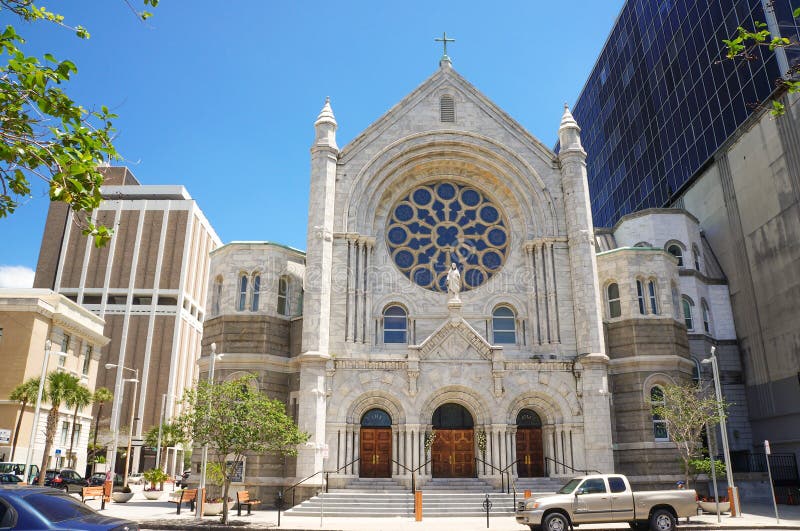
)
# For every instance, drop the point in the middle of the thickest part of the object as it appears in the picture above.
(444, 40)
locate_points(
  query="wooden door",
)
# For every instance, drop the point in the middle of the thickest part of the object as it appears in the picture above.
(453, 454)
(530, 454)
(376, 453)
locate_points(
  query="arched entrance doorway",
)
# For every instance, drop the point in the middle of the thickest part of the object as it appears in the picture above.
(376, 445)
(453, 449)
(530, 456)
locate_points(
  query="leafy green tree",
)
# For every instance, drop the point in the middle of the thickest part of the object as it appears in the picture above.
(171, 436)
(686, 411)
(744, 46)
(25, 393)
(79, 397)
(234, 419)
(101, 396)
(59, 385)
(44, 134)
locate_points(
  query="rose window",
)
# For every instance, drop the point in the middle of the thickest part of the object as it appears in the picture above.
(441, 223)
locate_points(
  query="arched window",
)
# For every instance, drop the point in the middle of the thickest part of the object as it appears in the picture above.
(640, 296)
(395, 325)
(676, 303)
(504, 326)
(376, 418)
(696, 256)
(652, 291)
(688, 309)
(283, 287)
(527, 418)
(216, 296)
(452, 416)
(706, 316)
(659, 425)
(447, 108)
(614, 308)
(256, 292)
(643, 244)
(242, 303)
(676, 251)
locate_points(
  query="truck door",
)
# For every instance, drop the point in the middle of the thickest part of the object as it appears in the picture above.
(592, 502)
(621, 500)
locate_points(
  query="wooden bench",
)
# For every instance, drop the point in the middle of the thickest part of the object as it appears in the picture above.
(94, 492)
(243, 497)
(186, 496)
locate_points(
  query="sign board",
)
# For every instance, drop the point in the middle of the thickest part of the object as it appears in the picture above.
(58, 451)
(137, 443)
(766, 447)
(238, 471)
(5, 436)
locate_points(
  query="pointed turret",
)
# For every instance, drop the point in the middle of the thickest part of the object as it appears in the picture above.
(569, 133)
(325, 126)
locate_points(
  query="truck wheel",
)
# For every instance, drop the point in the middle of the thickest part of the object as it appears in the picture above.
(662, 520)
(555, 522)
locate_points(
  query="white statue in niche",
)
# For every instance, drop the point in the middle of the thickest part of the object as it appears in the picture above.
(454, 281)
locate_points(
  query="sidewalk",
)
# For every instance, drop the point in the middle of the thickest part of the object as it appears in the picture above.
(161, 515)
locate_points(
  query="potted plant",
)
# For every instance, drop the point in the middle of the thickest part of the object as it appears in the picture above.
(156, 478)
(708, 505)
(123, 495)
(213, 504)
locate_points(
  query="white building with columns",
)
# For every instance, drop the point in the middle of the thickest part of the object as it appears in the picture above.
(388, 370)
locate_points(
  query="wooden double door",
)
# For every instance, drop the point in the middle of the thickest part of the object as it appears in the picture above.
(376, 453)
(453, 454)
(530, 455)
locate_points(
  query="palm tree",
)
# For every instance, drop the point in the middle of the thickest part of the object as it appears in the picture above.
(171, 436)
(78, 398)
(101, 396)
(25, 393)
(59, 386)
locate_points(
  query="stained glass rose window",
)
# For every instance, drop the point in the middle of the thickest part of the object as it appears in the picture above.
(440, 223)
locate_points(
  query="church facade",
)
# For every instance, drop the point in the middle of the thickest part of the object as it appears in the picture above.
(456, 314)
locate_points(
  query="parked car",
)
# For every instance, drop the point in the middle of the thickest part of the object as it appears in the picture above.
(24, 507)
(19, 470)
(606, 499)
(9, 478)
(66, 479)
(136, 478)
(98, 479)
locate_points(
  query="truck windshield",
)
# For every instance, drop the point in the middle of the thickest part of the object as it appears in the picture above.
(569, 487)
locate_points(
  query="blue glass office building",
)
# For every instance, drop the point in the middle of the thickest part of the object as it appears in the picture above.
(660, 99)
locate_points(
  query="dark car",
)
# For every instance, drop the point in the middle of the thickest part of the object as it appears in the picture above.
(182, 481)
(65, 479)
(98, 479)
(5, 479)
(23, 507)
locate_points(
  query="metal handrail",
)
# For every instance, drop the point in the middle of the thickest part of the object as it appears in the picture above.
(413, 483)
(502, 483)
(564, 465)
(329, 472)
(283, 492)
(511, 478)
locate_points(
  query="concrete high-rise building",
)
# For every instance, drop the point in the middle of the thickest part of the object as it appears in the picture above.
(669, 123)
(148, 283)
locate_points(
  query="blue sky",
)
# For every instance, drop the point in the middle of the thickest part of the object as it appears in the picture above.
(221, 96)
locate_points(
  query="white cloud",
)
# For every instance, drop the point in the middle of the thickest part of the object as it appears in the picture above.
(16, 277)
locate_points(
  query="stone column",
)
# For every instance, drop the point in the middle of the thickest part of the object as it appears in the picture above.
(357, 449)
(395, 448)
(409, 450)
(547, 435)
(514, 470)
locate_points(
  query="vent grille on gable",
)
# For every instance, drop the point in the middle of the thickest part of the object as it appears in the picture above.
(447, 109)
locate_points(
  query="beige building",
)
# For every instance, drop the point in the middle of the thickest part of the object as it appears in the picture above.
(148, 283)
(28, 318)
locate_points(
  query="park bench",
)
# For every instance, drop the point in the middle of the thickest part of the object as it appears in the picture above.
(243, 497)
(93, 493)
(184, 496)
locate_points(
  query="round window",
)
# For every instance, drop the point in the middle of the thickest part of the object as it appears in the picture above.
(440, 223)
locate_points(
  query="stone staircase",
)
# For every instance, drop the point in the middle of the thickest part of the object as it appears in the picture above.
(387, 498)
(539, 486)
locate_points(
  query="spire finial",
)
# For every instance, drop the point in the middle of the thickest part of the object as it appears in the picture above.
(444, 40)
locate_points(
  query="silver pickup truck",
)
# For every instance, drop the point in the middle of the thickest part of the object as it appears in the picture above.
(606, 498)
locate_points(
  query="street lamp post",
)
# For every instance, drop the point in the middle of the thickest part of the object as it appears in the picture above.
(734, 493)
(29, 457)
(204, 462)
(130, 431)
(111, 454)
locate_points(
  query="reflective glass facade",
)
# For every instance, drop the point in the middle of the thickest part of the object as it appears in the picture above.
(660, 99)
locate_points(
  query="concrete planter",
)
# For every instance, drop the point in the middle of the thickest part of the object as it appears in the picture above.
(711, 507)
(152, 494)
(121, 497)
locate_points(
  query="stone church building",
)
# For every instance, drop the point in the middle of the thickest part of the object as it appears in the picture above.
(542, 359)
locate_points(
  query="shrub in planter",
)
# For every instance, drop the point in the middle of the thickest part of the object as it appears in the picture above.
(122, 495)
(155, 476)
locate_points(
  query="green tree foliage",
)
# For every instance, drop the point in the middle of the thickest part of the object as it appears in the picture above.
(171, 436)
(101, 396)
(744, 46)
(25, 393)
(235, 419)
(59, 386)
(687, 410)
(45, 134)
(79, 397)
